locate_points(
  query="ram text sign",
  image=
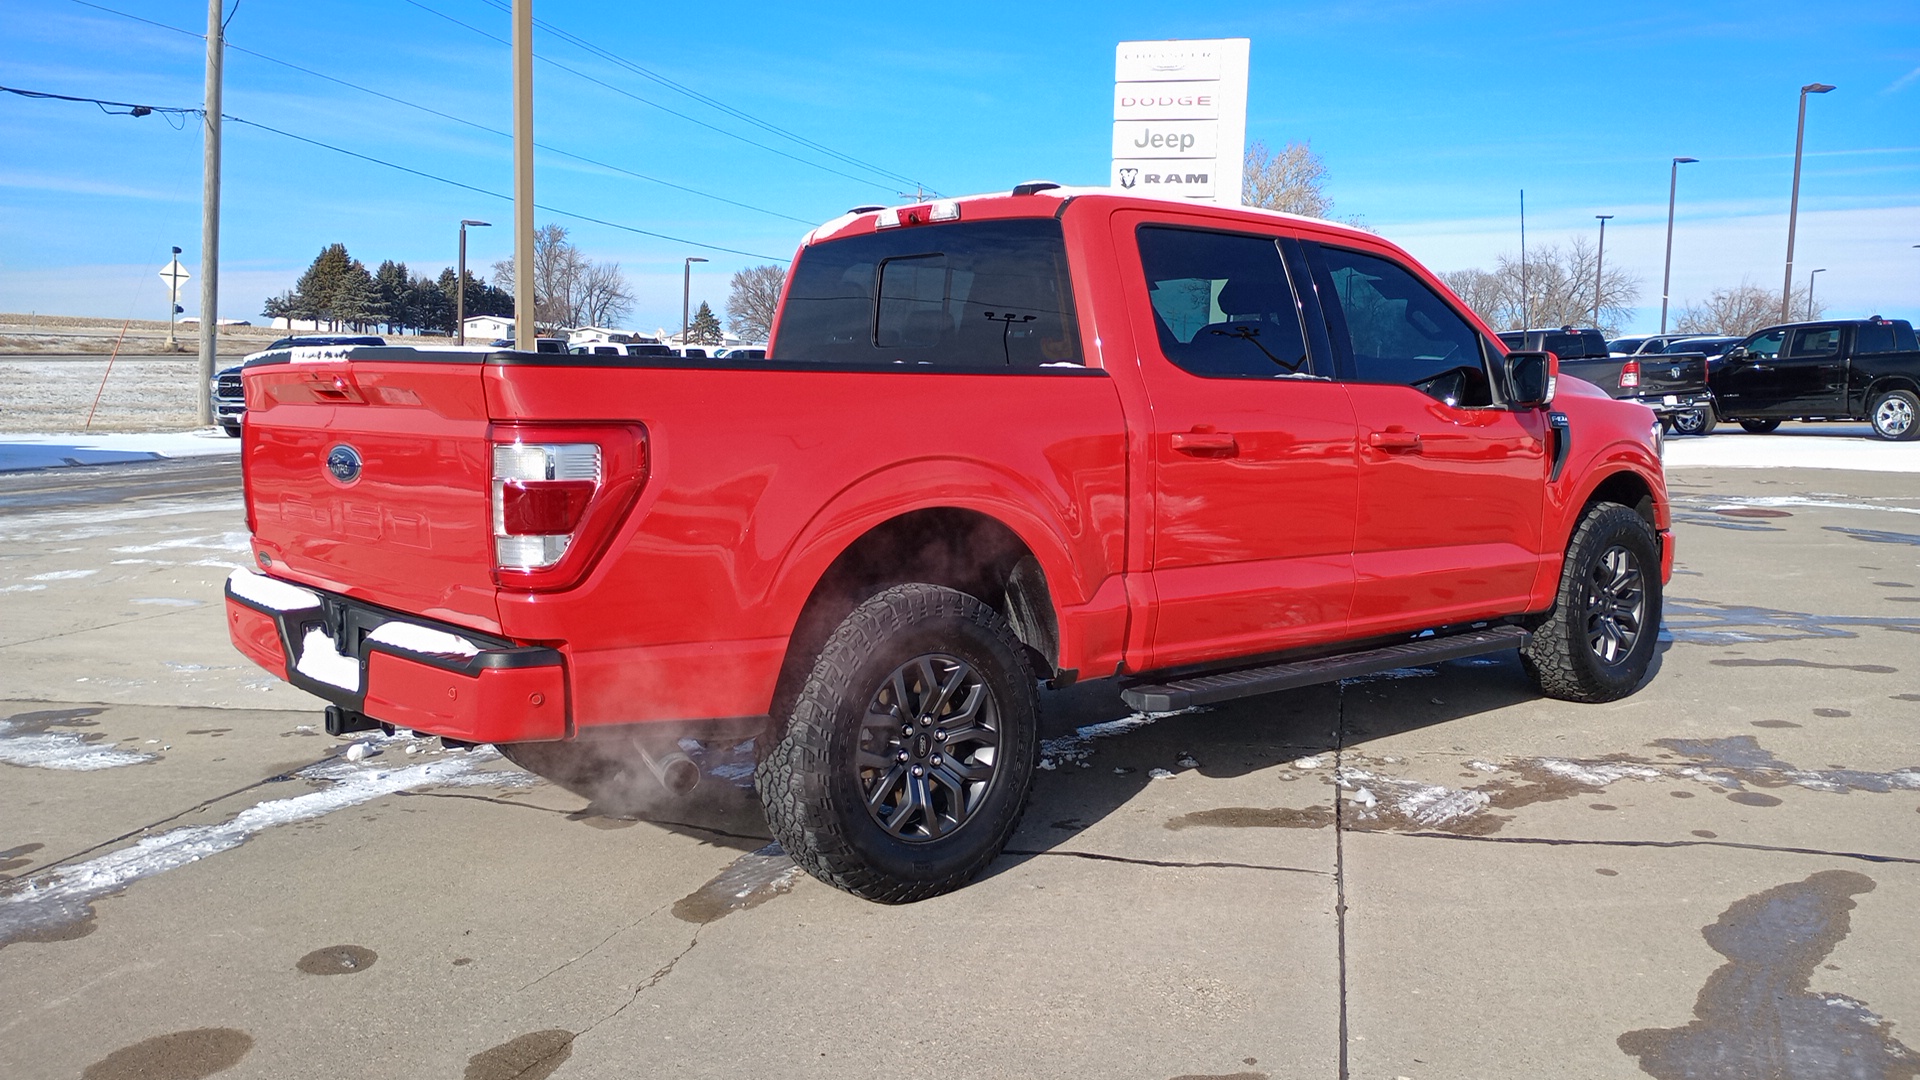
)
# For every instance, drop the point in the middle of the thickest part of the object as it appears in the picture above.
(1180, 118)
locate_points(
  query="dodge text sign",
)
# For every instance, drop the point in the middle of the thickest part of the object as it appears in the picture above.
(1180, 118)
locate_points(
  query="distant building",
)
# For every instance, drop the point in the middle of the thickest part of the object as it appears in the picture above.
(597, 335)
(489, 327)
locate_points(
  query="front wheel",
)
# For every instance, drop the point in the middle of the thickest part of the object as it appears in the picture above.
(1598, 641)
(1893, 415)
(1698, 421)
(909, 755)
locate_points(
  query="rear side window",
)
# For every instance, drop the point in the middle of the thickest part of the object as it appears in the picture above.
(1400, 331)
(1222, 304)
(975, 294)
(1816, 341)
(1874, 338)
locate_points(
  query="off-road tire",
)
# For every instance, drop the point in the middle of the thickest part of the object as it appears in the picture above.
(1562, 656)
(1700, 421)
(1759, 427)
(1895, 416)
(813, 782)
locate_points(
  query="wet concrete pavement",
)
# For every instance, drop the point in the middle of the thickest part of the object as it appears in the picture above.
(1715, 877)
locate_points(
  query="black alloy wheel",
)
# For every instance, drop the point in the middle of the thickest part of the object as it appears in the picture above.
(928, 747)
(1616, 604)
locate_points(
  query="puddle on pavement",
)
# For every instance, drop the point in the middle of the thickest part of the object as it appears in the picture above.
(15, 857)
(1604, 872)
(1867, 669)
(1757, 1016)
(1751, 512)
(1700, 622)
(1752, 798)
(751, 880)
(1739, 761)
(1906, 697)
(1876, 536)
(337, 960)
(533, 1056)
(1774, 724)
(1255, 817)
(1831, 712)
(182, 1055)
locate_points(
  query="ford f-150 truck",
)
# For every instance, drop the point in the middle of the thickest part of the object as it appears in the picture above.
(997, 443)
(1862, 369)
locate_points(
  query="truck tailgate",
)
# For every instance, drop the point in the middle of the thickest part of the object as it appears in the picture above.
(1672, 373)
(367, 474)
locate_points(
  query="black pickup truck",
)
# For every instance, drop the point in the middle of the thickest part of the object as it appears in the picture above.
(1859, 369)
(1673, 385)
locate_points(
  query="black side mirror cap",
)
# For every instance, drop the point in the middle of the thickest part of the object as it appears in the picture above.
(1531, 379)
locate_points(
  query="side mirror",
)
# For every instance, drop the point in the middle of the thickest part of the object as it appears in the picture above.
(1531, 379)
(1738, 352)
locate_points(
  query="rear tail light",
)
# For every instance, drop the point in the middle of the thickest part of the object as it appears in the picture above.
(540, 495)
(1630, 374)
(559, 493)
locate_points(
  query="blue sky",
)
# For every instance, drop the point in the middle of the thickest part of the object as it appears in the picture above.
(1431, 118)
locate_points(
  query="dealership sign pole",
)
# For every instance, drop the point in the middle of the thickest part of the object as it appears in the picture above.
(1180, 118)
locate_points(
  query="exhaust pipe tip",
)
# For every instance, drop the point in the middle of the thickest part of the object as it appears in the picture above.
(675, 771)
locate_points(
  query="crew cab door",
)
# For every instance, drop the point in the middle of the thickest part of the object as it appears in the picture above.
(1751, 381)
(1812, 372)
(1452, 484)
(1251, 446)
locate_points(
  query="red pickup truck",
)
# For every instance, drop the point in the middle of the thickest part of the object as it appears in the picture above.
(997, 443)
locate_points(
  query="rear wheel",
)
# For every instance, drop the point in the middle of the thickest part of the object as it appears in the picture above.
(1598, 641)
(1759, 427)
(1894, 416)
(1698, 421)
(909, 755)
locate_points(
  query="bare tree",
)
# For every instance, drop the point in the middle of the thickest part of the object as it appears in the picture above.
(1740, 310)
(568, 288)
(1558, 291)
(754, 299)
(601, 295)
(1292, 181)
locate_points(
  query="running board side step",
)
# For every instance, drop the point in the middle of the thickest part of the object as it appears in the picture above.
(1178, 694)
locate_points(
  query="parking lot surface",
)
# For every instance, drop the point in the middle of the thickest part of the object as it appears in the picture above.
(1429, 873)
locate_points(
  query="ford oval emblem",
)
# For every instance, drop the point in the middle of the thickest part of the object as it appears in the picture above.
(343, 463)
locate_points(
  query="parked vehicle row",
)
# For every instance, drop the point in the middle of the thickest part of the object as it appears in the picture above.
(1848, 369)
(1673, 385)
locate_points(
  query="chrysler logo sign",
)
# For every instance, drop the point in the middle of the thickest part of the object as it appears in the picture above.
(343, 463)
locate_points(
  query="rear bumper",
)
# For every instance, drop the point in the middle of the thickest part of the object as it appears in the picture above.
(398, 669)
(1668, 404)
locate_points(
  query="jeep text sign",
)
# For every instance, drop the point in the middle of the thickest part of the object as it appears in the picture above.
(1180, 118)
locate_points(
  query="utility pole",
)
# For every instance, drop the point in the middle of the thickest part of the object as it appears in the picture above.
(1599, 264)
(210, 216)
(1793, 207)
(524, 326)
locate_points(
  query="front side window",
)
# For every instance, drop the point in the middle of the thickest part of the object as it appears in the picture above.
(1401, 332)
(1766, 346)
(1816, 341)
(1223, 306)
(974, 294)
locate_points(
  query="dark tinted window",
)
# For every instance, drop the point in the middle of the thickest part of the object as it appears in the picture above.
(1515, 339)
(1816, 341)
(1575, 346)
(1874, 338)
(1222, 304)
(983, 294)
(1401, 331)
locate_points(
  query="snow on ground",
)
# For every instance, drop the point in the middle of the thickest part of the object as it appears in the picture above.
(48, 451)
(1794, 446)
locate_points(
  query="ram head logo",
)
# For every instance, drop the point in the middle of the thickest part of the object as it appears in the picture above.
(1128, 177)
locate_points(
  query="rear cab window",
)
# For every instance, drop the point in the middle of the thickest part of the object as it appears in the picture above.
(1223, 305)
(984, 294)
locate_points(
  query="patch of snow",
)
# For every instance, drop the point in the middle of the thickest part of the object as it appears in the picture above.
(1365, 797)
(1483, 766)
(1308, 763)
(421, 639)
(1597, 775)
(1392, 675)
(1078, 747)
(65, 751)
(64, 896)
(227, 541)
(63, 575)
(22, 588)
(270, 593)
(1795, 447)
(1159, 774)
(319, 661)
(1186, 761)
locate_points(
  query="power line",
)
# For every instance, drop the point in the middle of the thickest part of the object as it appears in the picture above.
(131, 111)
(111, 108)
(449, 116)
(577, 73)
(708, 100)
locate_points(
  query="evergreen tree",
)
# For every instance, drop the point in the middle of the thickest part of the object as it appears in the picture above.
(358, 301)
(317, 292)
(278, 307)
(393, 287)
(706, 327)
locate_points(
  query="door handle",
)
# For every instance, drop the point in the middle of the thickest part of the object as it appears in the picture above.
(1395, 440)
(1206, 443)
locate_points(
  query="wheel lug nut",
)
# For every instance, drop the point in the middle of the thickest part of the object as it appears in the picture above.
(940, 736)
(918, 771)
(907, 731)
(903, 755)
(936, 759)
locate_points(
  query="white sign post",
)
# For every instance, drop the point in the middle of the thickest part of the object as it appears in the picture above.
(1180, 118)
(173, 274)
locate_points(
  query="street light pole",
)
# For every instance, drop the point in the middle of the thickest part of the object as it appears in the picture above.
(686, 295)
(1666, 276)
(460, 283)
(525, 318)
(1599, 263)
(1810, 278)
(1793, 208)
